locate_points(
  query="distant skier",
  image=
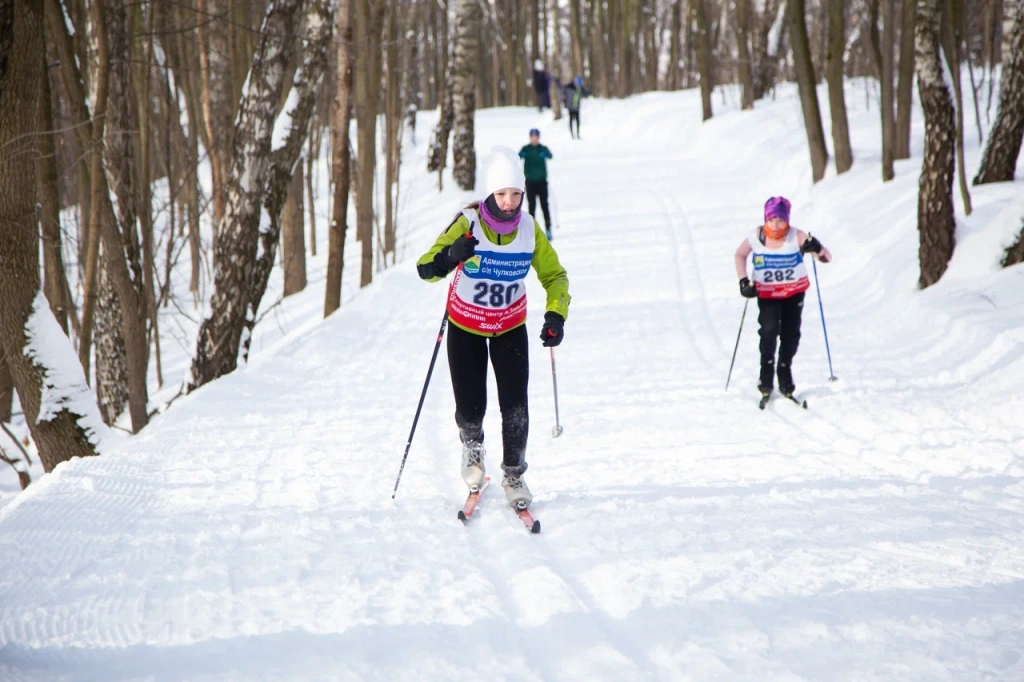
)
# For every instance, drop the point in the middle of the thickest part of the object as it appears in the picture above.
(535, 156)
(541, 85)
(780, 280)
(491, 246)
(573, 95)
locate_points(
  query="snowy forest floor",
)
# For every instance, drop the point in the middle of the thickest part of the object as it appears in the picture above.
(249, 534)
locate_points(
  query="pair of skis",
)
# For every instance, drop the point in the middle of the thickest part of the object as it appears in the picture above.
(466, 513)
(765, 397)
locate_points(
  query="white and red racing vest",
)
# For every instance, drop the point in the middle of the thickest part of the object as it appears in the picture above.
(488, 292)
(781, 272)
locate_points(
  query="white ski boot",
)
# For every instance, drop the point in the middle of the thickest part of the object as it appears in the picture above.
(519, 495)
(473, 465)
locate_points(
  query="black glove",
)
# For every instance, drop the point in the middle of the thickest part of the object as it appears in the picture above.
(462, 250)
(553, 330)
(747, 288)
(812, 245)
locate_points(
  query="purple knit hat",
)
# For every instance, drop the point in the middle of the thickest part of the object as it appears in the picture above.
(777, 207)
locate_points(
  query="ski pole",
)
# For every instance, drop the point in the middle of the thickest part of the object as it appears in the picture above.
(557, 430)
(742, 318)
(423, 395)
(821, 309)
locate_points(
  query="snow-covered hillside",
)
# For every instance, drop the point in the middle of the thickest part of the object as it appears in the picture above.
(249, 532)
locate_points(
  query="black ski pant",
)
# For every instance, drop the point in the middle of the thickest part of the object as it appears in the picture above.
(538, 189)
(780, 322)
(467, 359)
(574, 116)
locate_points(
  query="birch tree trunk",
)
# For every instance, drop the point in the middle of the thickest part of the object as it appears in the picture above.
(836, 96)
(121, 247)
(905, 88)
(57, 431)
(935, 222)
(235, 252)
(341, 115)
(307, 82)
(467, 25)
(999, 162)
(808, 93)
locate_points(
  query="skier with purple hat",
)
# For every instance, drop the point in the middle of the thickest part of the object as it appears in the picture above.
(779, 283)
(535, 156)
(491, 246)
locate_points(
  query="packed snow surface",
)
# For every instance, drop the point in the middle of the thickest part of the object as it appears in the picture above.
(249, 532)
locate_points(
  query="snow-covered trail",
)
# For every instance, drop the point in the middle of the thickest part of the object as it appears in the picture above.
(249, 534)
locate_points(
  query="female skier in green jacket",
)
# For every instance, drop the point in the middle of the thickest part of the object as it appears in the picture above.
(491, 246)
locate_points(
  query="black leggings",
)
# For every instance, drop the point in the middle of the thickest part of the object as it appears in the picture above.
(574, 116)
(780, 320)
(538, 189)
(467, 359)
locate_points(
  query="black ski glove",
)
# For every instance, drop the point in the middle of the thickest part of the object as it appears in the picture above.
(812, 245)
(462, 250)
(747, 288)
(553, 330)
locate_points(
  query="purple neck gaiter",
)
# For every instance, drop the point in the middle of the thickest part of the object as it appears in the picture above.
(503, 225)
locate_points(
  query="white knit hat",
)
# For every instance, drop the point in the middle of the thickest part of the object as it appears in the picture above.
(502, 170)
(538, 65)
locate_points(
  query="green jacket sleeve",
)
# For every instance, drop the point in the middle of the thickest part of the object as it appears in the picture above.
(431, 266)
(551, 274)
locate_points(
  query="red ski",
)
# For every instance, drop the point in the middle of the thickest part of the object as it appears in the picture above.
(471, 501)
(528, 520)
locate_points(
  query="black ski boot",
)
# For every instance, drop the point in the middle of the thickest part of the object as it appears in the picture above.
(786, 386)
(766, 383)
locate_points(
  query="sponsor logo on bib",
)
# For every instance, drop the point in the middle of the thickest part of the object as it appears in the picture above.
(472, 266)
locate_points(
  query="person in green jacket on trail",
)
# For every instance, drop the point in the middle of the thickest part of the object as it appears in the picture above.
(491, 246)
(535, 156)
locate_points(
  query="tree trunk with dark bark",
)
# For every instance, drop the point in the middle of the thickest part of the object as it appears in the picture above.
(836, 94)
(935, 221)
(6, 390)
(952, 40)
(341, 115)
(746, 76)
(368, 24)
(765, 67)
(23, 309)
(999, 162)
(700, 18)
(293, 235)
(110, 349)
(882, 46)
(54, 276)
(905, 87)
(216, 78)
(808, 93)
(467, 23)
